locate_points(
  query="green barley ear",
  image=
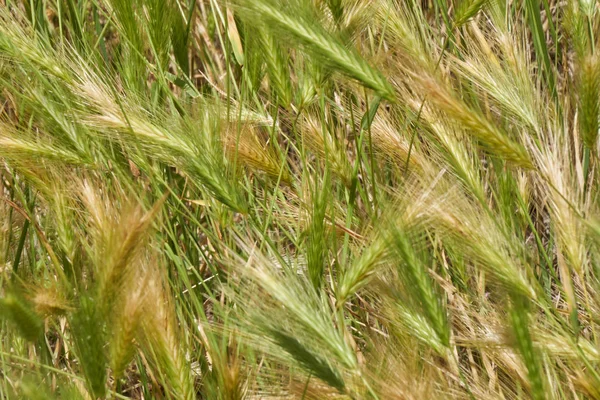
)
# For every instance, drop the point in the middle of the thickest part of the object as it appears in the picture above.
(17, 310)
(278, 70)
(359, 273)
(295, 22)
(35, 387)
(589, 105)
(317, 239)
(593, 227)
(283, 305)
(337, 9)
(406, 318)
(492, 138)
(243, 146)
(519, 320)
(49, 300)
(88, 332)
(125, 327)
(419, 289)
(161, 341)
(319, 139)
(467, 9)
(313, 363)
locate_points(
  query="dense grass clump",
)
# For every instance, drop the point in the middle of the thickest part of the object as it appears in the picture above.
(304, 199)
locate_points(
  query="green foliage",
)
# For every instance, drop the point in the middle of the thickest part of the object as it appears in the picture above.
(15, 309)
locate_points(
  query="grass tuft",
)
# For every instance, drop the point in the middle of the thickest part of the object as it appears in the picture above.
(304, 199)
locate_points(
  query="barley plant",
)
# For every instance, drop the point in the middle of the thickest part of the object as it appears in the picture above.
(299, 199)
